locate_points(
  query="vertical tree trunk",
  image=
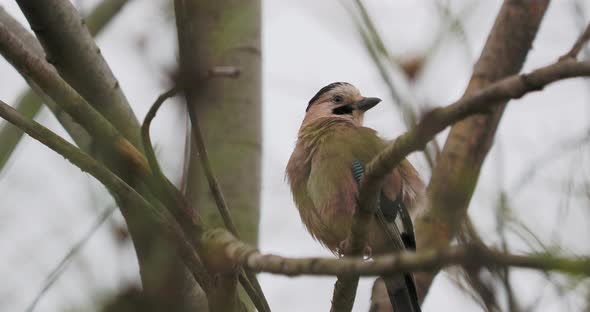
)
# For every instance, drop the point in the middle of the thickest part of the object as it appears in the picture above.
(457, 170)
(214, 35)
(229, 109)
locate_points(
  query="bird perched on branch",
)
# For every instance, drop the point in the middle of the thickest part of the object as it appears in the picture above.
(325, 171)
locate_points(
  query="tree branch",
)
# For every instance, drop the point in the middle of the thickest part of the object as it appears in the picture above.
(455, 176)
(232, 252)
(481, 102)
(30, 104)
(39, 72)
(183, 212)
(215, 96)
(579, 45)
(72, 50)
(437, 120)
(125, 159)
(258, 297)
(122, 191)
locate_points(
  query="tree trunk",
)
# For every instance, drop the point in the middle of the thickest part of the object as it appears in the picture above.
(225, 35)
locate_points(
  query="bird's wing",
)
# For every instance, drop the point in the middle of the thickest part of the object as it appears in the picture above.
(388, 211)
(331, 185)
(395, 221)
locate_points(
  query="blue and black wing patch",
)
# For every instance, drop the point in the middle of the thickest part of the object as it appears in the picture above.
(387, 212)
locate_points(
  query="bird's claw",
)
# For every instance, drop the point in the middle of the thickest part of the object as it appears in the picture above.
(345, 248)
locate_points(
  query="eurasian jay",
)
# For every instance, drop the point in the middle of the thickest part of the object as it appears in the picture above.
(324, 173)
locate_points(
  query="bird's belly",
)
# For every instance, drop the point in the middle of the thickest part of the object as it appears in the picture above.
(333, 229)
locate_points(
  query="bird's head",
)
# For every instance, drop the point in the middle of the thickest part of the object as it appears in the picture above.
(339, 100)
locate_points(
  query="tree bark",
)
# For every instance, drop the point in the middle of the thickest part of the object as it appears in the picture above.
(219, 35)
(69, 46)
(456, 173)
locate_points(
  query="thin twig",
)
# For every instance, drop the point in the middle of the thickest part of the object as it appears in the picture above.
(208, 170)
(121, 190)
(66, 260)
(579, 45)
(145, 132)
(178, 205)
(260, 300)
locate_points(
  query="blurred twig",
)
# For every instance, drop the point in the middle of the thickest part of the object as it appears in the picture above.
(121, 190)
(554, 153)
(502, 211)
(455, 177)
(479, 289)
(257, 296)
(384, 62)
(407, 71)
(65, 261)
(578, 9)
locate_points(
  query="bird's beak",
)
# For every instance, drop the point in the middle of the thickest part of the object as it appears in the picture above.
(367, 103)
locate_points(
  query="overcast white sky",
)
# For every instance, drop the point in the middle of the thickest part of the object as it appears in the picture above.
(46, 204)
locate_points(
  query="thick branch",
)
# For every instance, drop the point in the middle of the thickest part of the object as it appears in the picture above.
(203, 52)
(123, 157)
(30, 104)
(39, 72)
(72, 50)
(232, 252)
(455, 177)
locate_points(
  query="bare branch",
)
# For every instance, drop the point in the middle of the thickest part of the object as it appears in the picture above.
(134, 202)
(259, 300)
(455, 176)
(579, 45)
(232, 252)
(145, 133)
(39, 72)
(72, 50)
(178, 206)
(30, 104)
(481, 102)
(121, 155)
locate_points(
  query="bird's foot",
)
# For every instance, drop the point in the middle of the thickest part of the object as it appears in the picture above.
(345, 248)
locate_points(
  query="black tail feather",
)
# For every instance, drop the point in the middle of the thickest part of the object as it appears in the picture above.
(402, 293)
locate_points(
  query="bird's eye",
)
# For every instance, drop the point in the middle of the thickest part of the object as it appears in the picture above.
(338, 99)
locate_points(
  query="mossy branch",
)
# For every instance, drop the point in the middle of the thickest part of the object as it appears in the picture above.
(121, 190)
(71, 49)
(30, 104)
(232, 252)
